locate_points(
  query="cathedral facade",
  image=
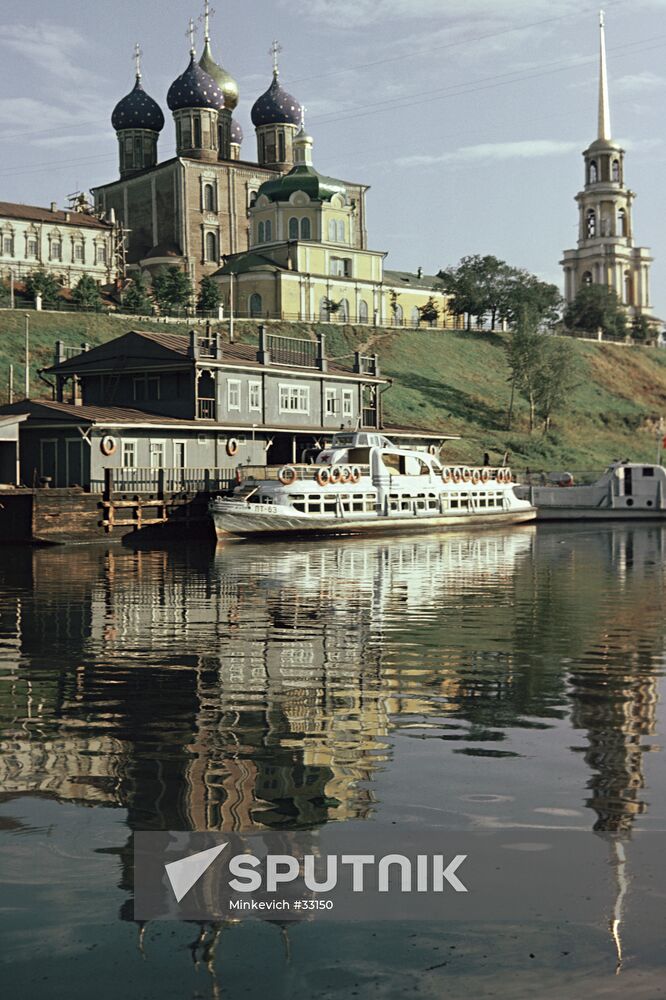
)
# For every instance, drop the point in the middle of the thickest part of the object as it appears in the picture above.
(606, 253)
(193, 209)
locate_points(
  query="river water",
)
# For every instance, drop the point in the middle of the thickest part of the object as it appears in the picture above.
(499, 681)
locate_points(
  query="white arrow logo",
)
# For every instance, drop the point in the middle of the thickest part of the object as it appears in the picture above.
(184, 873)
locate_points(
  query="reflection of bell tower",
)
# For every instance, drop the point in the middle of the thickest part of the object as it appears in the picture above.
(606, 254)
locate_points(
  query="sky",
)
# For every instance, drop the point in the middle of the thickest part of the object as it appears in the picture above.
(467, 118)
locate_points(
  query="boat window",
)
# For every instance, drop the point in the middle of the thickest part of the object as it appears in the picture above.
(392, 463)
(648, 470)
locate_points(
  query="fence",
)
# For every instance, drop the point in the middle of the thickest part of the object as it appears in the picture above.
(142, 479)
(292, 351)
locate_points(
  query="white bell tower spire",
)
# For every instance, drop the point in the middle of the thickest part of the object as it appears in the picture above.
(604, 131)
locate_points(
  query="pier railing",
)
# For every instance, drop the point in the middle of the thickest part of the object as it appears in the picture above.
(160, 481)
(302, 473)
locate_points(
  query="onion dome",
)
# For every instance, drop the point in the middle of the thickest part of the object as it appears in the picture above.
(236, 132)
(224, 80)
(276, 107)
(137, 110)
(195, 89)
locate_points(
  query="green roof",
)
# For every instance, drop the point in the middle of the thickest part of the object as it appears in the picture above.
(240, 263)
(302, 178)
(427, 282)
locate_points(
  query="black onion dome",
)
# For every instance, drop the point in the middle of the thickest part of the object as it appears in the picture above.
(195, 89)
(236, 132)
(276, 107)
(137, 110)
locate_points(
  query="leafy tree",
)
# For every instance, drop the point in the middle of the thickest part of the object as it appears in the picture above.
(472, 285)
(137, 296)
(332, 307)
(640, 329)
(542, 369)
(525, 293)
(429, 312)
(172, 289)
(86, 293)
(596, 307)
(42, 283)
(209, 294)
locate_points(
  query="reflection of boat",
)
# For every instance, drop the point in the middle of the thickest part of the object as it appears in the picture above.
(626, 490)
(363, 483)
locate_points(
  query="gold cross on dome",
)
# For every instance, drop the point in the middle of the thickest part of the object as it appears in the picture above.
(137, 60)
(275, 50)
(191, 32)
(205, 17)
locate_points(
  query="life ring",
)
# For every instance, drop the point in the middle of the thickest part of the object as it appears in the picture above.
(355, 474)
(108, 445)
(345, 474)
(508, 478)
(466, 475)
(446, 474)
(476, 476)
(336, 474)
(456, 475)
(433, 449)
(324, 476)
(232, 447)
(287, 475)
(499, 475)
(485, 475)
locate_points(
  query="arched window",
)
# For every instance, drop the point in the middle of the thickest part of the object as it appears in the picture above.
(615, 173)
(261, 233)
(293, 229)
(398, 315)
(197, 132)
(341, 231)
(331, 230)
(591, 223)
(621, 222)
(586, 280)
(269, 230)
(363, 311)
(306, 229)
(209, 198)
(343, 311)
(629, 288)
(416, 316)
(211, 246)
(594, 174)
(324, 315)
(256, 305)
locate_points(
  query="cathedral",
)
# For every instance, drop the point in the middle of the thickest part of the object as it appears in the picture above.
(283, 240)
(606, 254)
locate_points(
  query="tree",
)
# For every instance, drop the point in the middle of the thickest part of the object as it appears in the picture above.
(137, 296)
(525, 293)
(42, 283)
(172, 289)
(209, 295)
(524, 358)
(556, 379)
(596, 307)
(542, 369)
(429, 313)
(640, 329)
(4, 294)
(472, 286)
(86, 293)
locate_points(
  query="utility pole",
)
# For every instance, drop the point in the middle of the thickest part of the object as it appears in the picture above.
(231, 308)
(27, 356)
(11, 288)
(11, 384)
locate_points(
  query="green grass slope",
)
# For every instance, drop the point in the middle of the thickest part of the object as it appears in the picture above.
(453, 381)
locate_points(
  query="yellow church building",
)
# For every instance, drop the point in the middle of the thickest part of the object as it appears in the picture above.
(307, 259)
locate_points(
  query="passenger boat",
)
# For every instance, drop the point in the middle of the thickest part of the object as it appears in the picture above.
(363, 484)
(626, 490)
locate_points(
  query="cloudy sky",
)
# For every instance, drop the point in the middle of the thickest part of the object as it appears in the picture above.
(466, 117)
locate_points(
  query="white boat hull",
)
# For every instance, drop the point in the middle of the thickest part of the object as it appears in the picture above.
(233, 518)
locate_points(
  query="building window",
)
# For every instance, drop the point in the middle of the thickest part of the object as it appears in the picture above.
(197, 132)
(294, 399)
(616, 171)
(78, 253)
(32, 247)
(332, 230)
(56, 249)
(363, 311)
(256, 305)
(233, 394)
(261, 233)
(180, 454)
(293, 229)
(621, 222)
(594, 175)
(8, 245)
(591, 224)
(146, 387)
(587, 278)
(211, 246)
(347, 402)
(324, 312)
(340, 267)
(282, 147)
(306, 229)
(209, 198)
(254, 390)
(156, 451)
(331, 402)
(129, 454)
(100, 254)
(341, 231)
(398, 315)
(269, 230)
(416, 316)
(343, 312)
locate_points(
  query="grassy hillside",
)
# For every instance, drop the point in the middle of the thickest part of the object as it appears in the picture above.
(457, 382)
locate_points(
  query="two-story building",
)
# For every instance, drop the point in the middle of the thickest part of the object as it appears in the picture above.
(193, 409)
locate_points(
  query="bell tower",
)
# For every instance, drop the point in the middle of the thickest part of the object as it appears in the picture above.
(605, 254)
